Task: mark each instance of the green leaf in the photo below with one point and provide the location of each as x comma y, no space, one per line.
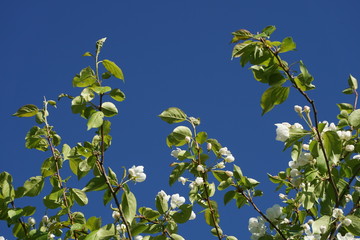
201,137
231,238
241,34
128,205
354,227
80,196
113,69
352,82
287,45
181,132
161,204
138,228
269,30
184,215
101,90
28,110
95,184
87,94
54,199
78,104
273,96
229,196
209,219
85,78
304,79
33,186
107,232
323,221
332,144
237,172
149,213
109,109
117,95
96,120
176,237
173,115
93,223
354,118
87,54
177,172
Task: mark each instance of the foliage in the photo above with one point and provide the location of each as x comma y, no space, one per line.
321,187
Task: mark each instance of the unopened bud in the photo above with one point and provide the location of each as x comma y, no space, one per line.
229,173
306,109
209,146
187,139
200,168
45,219
349,148
31,221
298,109
115,215
347,222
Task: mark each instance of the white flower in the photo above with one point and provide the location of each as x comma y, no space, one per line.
229,173
256,227
121,228
175,153
115,215
45,219
356,157
310,222
176,200
274,213
2,238
347,221
349,148
192,185
221,165
347,236
137,173
200,168
182,180
282,196
305,147
138,237
293,164
337,212
294,173
192,216
187,139
282,131
31,221
224,151
230,158
163,195
199,181
344,135
297,125
306,109
348,198
208,146
51,236
304,159
298,109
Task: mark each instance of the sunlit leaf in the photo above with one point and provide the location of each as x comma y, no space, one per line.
26,111
113,69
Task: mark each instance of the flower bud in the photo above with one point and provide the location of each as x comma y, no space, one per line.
187,139
192,216
298,109
349,148
348,198
182,180
115,215
220,165
347,222
305,147
31,221
200,168
199,181
229,159
229,173
282,196
209,146
306,109
45,219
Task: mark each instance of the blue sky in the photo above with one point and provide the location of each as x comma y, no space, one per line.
173,53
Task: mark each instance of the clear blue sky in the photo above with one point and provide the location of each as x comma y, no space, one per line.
173,53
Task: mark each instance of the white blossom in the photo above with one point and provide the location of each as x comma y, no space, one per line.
356,157
304,159
200,168
306,109
51,236
274,213
294,173
256,227
178,151
192,216
163,195
229,173
2,238
45,219
297,126
115,215
347,221
208,146
138,237
349,148
199,181
298,109
187,139
344,135
221,165
347,236
282,131
182,180
224,151
337,212
282,196
230,158
176,200
31,221
137,173
305,147
192,185
348,198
